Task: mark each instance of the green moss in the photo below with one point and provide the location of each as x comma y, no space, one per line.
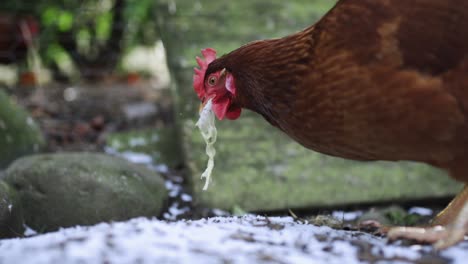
11,217
19,135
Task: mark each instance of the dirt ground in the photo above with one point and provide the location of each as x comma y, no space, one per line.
78,117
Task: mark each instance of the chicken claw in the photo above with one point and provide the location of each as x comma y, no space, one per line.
434,235
441,236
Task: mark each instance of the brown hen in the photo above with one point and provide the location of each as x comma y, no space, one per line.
372,80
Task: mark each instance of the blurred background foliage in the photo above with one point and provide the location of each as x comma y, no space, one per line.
89,35
224,21
88,38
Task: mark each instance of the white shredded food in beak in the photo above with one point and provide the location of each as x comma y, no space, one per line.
206,124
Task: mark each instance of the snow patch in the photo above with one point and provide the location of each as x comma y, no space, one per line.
421,211
247,239
137,157
347,216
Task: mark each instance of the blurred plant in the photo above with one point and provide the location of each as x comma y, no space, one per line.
87,38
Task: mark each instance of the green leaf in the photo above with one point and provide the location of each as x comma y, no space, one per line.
65,21
49,16
103,25
84,39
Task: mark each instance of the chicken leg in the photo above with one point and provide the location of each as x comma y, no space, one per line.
448,228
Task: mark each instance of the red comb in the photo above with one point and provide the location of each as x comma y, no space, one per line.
210,55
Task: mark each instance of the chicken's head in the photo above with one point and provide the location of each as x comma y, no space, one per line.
218,86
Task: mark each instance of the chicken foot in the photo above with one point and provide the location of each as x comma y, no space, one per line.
447,229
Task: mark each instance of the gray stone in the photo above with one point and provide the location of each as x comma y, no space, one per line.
19,135
11,218
68,189
257,167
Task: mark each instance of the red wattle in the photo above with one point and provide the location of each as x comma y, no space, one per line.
234,113
220,107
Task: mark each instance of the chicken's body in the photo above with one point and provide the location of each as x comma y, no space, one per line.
372,80
348,87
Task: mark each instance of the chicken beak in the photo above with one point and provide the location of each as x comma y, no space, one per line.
202,105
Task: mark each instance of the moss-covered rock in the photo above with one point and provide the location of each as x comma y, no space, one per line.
19,135
256,166
67,189
11,218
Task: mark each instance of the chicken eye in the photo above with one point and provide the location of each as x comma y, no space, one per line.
212,80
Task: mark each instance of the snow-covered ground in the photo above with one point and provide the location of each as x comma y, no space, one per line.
248,239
